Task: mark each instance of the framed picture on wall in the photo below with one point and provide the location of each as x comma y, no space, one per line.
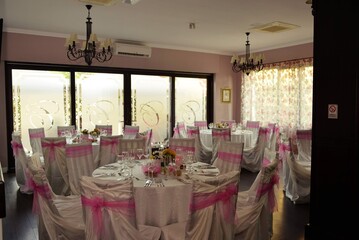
226,95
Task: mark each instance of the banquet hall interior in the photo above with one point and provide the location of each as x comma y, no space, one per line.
304,84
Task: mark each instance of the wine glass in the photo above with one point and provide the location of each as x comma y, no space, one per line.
139,153
131,163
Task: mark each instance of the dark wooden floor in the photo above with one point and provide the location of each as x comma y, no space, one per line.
21,224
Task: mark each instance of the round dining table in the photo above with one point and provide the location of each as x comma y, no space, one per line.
239,135
166,201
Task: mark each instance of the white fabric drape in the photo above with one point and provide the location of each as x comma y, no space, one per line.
281,93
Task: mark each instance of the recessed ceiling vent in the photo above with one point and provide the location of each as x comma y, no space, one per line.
274,27
101,2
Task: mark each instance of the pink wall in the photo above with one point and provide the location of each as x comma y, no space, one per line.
42,49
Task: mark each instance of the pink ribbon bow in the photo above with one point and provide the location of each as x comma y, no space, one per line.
52,146
110,142
268,188
203,200
97,203
16,147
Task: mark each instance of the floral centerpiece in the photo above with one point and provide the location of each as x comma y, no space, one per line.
94,134
222,125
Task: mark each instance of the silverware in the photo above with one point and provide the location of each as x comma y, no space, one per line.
148,183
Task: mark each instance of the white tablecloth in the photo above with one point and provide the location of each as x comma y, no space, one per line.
244,136
155,206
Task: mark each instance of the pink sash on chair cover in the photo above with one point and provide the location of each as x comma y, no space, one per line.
220,134
229,157
192,132
78,151
176,132
126,207
42,190
37,135
268,188
16,147
203,200
51,146
110,142
304,135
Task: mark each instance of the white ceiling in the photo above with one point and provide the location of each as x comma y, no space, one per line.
220,24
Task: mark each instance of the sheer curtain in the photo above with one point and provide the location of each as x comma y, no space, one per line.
281,93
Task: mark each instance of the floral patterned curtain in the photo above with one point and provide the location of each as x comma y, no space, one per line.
281,93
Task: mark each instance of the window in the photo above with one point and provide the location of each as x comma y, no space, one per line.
281,93
52,95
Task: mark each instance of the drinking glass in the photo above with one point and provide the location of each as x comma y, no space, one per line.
139,153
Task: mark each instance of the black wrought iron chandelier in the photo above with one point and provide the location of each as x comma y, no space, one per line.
248,63
89,47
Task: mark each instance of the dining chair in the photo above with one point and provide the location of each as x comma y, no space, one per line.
59,217
254,127
148,136
21,162
298,185
131,144
55,164
109,211
182,129
274,140
229,156
192,131
61,130
104,128
130,132
255,207
202,153
35,135
182,144
219,134
109,149
304,143
253,157
79,162
213,207
201,124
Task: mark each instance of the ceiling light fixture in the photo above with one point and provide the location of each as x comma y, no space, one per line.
88,51
249,63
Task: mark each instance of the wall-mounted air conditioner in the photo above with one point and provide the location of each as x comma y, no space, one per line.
133,50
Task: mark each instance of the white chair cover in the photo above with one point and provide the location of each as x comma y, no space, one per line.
35,135
107,128
176,133
185,144
274,141
130,132
64,129
201,124
55,164
229,156
79,162
182,129
132,144
109,211
60,217
254,127
255,206
282,157
21,162
219,134
304,143
298,185
109,149
202,153
253,157
148,136
213,207
192,131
